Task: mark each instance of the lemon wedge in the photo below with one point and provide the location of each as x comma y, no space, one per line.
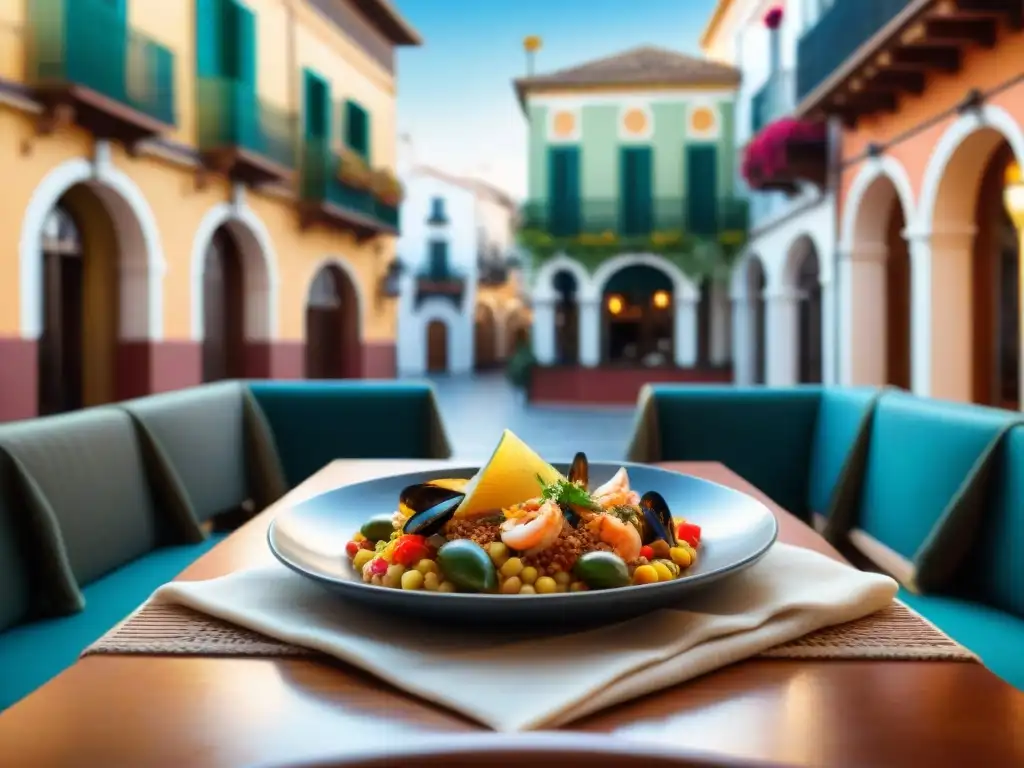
511,476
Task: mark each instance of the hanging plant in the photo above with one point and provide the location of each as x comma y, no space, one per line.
773,19
766,156
353,170
386,187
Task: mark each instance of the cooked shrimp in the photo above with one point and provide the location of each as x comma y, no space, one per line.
616,491
623,537
534,531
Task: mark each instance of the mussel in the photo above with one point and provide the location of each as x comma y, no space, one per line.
579,471
428,507
656,519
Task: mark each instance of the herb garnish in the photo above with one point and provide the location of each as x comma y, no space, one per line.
564,492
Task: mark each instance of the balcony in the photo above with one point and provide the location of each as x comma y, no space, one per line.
785,154
88,67
863,54
242,137
326,199
440,282
773,100
492,273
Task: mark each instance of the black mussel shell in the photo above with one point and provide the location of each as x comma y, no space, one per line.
657,519
424,496
579,470
432,520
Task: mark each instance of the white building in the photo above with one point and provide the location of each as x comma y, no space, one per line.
782,289
438,248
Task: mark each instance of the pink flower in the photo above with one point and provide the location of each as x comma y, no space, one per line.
766,156
773,18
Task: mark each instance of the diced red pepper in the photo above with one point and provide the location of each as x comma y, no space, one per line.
410,550
690,533
646,551
351,548
378,566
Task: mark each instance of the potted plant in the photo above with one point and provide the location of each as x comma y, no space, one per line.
386,188
353,170
519,367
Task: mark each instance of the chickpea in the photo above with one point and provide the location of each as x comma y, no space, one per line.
528,575
412,579
393,577
431,581
426,566
363,556
498,552
511,585
645,574
512,567
660,548
578,586
680,556
664,574
562,578
527,589
446,586
545,585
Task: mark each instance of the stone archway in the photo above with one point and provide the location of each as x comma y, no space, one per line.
90,289
567,318
333,347
637,323
558,280
802,281
968,310
878,304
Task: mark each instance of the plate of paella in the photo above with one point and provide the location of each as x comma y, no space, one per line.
521,539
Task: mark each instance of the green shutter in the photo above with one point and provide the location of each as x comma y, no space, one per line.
357,129
246,21
209,37
564,191
439,259
701,172
635,194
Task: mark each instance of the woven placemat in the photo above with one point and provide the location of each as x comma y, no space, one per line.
894,633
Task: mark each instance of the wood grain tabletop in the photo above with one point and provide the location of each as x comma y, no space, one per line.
204,712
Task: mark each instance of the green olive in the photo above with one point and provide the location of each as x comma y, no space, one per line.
467,565
378,528
602,570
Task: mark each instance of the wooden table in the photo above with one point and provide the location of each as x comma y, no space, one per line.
137,711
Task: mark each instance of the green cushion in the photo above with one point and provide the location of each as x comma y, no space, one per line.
764,435
995,636
843,416
314,423
33,653
920,454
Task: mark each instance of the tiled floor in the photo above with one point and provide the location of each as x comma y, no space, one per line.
476,409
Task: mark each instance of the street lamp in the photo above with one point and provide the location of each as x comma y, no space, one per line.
531,44
1013,199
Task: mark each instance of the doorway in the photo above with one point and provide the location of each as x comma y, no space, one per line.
332,326
485,338
808,286
758,322
223,309
638,318
437,347
60,343
566,319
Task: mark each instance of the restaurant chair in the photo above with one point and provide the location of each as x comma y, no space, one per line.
118,527
802,446
315,422
215,441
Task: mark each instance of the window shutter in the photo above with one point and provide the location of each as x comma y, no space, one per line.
564,191
635,193
209,37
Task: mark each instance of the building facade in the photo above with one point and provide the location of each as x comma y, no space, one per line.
930,103
782,289
194,190
632,218
438,250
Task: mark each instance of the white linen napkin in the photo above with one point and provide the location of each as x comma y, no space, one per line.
516,684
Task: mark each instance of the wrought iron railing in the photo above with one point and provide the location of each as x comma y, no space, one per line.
231,114
320,183
615,217
773,100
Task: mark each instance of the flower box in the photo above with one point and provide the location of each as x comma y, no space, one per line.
386,188
785,151
353,170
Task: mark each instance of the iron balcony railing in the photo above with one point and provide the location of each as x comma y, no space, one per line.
624,220
837,36
320,184
773,100
232,115
434,273
88,43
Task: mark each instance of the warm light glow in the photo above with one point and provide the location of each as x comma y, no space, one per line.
661,299
1013,175
1013,194
615,305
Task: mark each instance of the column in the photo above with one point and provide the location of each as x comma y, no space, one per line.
718,347
828,330
543,331
781,318
863,316
686,329
742,340
590,332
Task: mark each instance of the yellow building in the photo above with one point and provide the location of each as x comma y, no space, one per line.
193,190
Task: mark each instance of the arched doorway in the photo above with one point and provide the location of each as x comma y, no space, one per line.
224,337
638,317
517,332
437,347
566,318
804,275
332,326
756,281
485,338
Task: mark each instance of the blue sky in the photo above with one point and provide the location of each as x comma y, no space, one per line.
456,101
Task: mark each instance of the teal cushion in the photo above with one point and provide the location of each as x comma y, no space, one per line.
995,636
33,653
995,569
921,451
764,435
314,423
840,417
